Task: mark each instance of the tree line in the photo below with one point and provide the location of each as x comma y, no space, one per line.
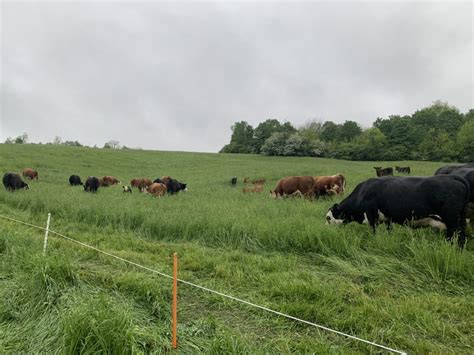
439,132
23,139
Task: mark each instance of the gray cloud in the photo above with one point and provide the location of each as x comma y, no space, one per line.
175,76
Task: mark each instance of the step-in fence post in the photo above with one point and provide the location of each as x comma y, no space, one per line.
174,341
46,234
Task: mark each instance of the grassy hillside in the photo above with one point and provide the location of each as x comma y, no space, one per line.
407,289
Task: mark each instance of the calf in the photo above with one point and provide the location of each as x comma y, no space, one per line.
256,188
383,172
405,169
127,188
13,182
259,181
437,201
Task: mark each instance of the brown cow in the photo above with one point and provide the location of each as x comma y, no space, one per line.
30,173
103,183
290,185
329,185
141,183
110,180
165,179
260,181
144,183
156,189
256,188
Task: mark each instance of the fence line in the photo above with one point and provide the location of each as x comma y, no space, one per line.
208,289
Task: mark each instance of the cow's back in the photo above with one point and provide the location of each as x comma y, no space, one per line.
404,198
468,175
289,185
449,169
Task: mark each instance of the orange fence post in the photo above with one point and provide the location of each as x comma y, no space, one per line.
174,341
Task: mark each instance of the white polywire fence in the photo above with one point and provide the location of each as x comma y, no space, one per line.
202,287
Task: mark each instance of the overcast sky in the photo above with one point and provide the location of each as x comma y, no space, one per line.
176,75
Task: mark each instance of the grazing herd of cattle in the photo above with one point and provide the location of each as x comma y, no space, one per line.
158,187
444,201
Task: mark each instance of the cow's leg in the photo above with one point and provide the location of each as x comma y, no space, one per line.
462,232
462,238
449,233
388,223
372,217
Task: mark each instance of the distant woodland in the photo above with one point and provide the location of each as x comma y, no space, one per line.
439,132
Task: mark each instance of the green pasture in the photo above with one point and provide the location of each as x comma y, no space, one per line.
407,289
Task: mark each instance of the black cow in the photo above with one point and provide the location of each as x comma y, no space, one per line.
448,169
403,169
233,181
437,201
92,184
75,180
174,186
383,172
13,182
468,174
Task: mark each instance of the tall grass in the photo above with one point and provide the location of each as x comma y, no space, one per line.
406,288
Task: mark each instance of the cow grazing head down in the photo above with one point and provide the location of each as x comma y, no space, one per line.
173,185
75,180
410,201
335,215
338,215
13,182
92,184
30,173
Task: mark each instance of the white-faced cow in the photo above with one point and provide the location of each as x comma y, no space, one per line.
436,201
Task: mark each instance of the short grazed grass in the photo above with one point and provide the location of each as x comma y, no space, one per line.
406,289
